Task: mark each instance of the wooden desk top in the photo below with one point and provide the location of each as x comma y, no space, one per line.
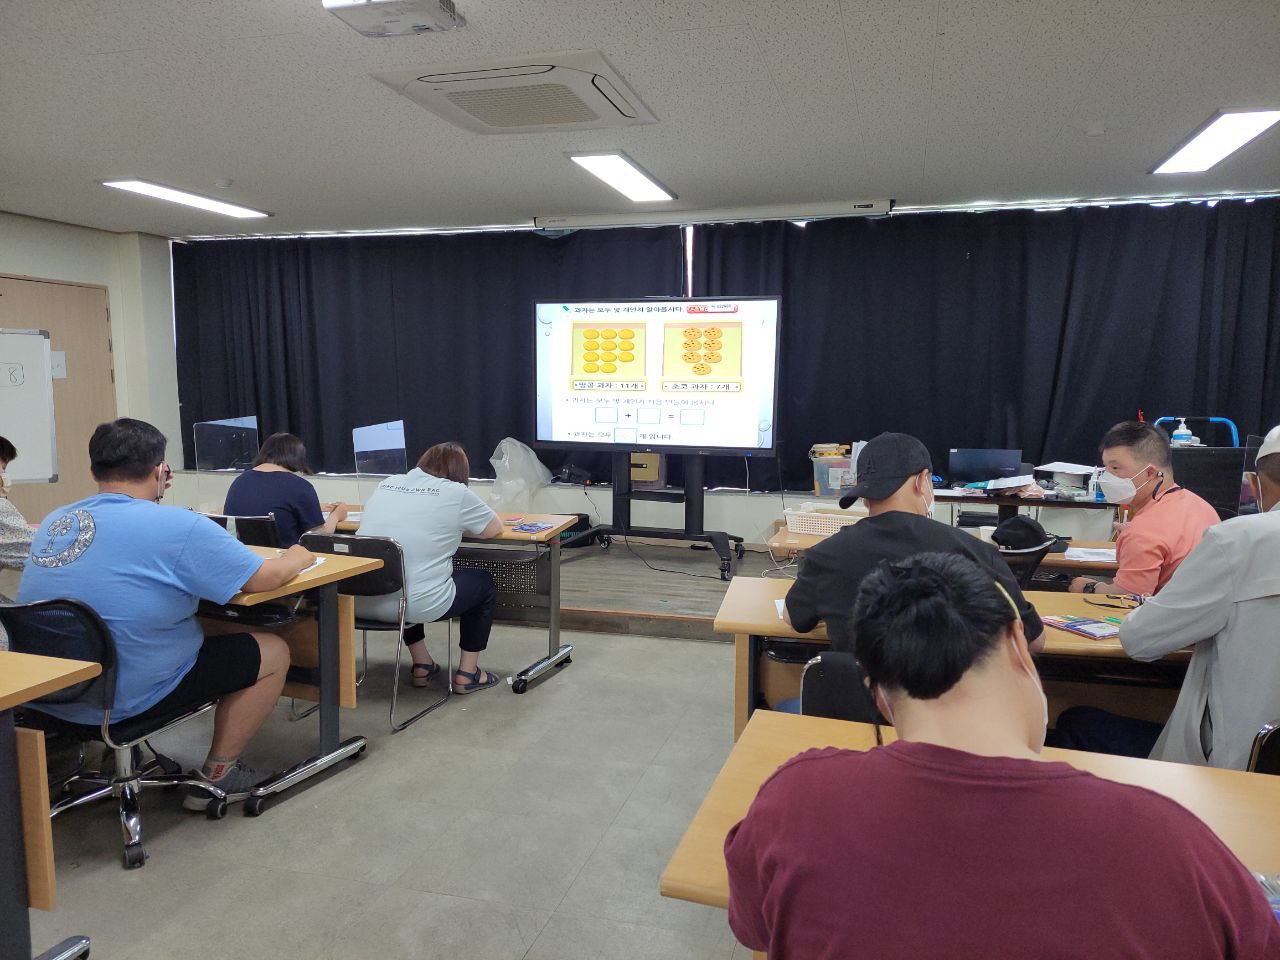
1058,561
26,676
785,542
949,495
1237,806
333,569
748,607
559,523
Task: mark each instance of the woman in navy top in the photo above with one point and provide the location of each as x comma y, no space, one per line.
274,486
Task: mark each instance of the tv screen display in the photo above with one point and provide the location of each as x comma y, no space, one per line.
679,375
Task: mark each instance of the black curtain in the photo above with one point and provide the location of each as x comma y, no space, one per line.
1028,329
319,336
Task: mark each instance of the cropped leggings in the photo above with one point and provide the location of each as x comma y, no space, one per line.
473,606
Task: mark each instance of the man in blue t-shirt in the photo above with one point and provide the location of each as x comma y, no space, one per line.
144,568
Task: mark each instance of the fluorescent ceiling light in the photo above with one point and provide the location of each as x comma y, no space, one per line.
1226,134
159,192
621,173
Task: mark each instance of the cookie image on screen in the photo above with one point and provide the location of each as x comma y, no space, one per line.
707,351
608,351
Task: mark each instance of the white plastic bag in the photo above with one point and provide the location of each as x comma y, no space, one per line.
519,473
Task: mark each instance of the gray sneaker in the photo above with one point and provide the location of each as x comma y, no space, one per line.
236,783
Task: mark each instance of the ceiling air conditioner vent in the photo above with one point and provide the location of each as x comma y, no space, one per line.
559,91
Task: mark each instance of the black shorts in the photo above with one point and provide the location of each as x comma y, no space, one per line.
226,663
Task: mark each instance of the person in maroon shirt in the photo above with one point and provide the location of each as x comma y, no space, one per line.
958,841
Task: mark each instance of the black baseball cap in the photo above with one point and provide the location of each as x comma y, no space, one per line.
884,463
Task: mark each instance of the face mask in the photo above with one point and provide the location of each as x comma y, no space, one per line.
929,505
1119,489
4,485
884,706
162,481
1013,642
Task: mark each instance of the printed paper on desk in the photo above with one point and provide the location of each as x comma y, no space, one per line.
1060,467
1092,554
1011,483
312,565
782,609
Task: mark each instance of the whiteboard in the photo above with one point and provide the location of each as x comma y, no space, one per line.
26,405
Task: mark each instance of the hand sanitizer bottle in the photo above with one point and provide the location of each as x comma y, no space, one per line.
1182,436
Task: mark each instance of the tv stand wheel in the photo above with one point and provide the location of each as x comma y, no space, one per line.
605,541
740,550
725,567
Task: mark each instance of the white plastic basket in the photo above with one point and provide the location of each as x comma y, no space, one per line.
819,522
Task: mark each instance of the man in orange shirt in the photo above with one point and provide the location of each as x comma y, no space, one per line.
1168,520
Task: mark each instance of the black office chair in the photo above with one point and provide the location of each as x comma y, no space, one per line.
257,531
376,583
831,685
1025,562
67,628
1265,755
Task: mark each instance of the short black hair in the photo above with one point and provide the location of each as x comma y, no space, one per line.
1268,466
8,452
284,450
1148,442
125,449
921,623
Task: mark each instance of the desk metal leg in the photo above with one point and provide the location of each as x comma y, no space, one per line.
15,924
558,655
331,749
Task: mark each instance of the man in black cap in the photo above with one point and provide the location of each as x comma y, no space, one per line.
895,477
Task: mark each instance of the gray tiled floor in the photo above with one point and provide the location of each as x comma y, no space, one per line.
498,827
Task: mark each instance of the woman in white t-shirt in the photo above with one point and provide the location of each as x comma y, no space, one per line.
428,510
15,535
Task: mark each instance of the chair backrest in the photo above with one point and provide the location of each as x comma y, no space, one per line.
68,629
831,685
1025,562
375,583
1265,755
219,518
257,531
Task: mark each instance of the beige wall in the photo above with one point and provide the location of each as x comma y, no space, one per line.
134,267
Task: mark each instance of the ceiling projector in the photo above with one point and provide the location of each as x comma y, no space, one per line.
396,18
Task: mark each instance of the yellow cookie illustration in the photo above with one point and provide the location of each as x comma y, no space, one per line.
692,333
607,334
590,356
608,345
691,357
627,333
711,356
590,333
590,344
711,345
590,367
608,356
702,369
713,333
626,357
608,368
626,344
692,345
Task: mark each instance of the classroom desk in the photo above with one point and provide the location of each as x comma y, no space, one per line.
1008,506
24,677
1239,807
558,654
784,543
322,584
749,612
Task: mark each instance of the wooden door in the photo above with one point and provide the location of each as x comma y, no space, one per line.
78,319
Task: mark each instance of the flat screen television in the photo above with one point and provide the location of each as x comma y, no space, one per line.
666,376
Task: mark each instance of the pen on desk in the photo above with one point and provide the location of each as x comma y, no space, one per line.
1115,620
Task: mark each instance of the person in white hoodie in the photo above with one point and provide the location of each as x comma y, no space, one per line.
1224,601
15,535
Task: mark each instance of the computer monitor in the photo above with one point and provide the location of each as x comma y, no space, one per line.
1212,472
974,465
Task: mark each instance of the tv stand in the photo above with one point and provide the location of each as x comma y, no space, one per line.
726,545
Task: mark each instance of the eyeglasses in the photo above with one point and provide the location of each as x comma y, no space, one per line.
1123,601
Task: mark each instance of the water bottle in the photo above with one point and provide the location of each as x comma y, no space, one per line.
1182,436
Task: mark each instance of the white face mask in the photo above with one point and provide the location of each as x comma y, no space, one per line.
1119,489
930,504
4,485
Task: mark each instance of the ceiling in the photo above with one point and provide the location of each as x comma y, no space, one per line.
759,102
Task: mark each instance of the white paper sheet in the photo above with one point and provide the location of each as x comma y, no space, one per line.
1059,467
1011,483
1091,553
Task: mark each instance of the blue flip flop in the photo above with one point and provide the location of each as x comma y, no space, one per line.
474,683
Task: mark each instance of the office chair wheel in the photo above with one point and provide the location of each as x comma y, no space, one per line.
565,662
134,856
519,686
216,810
253,806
